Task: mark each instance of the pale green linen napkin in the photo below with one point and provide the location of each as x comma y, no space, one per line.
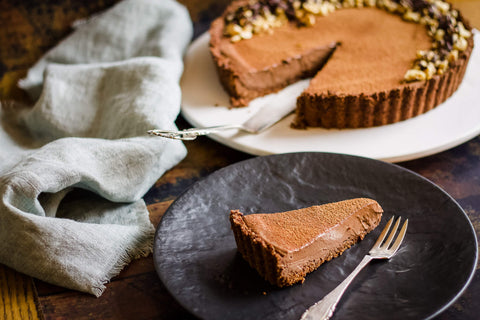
74,168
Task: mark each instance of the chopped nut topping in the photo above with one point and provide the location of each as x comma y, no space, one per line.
311,7
461,44
441,66
390,5
462,32
442,6
430,71
415,75
409,15
449,35
439,34
452,56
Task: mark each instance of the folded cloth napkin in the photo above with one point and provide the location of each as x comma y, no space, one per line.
75,166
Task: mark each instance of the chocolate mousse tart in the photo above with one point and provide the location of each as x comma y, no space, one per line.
372,62
285,246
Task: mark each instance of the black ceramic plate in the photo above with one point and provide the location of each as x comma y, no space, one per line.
195,253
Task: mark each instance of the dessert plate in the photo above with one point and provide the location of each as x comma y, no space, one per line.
196,256
205,104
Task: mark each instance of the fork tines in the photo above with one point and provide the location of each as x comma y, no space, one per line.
380,245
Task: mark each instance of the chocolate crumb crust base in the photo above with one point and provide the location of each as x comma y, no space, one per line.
360,111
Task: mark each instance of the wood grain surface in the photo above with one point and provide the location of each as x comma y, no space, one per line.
28,29
17,296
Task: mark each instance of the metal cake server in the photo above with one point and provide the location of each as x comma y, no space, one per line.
278,108
263,119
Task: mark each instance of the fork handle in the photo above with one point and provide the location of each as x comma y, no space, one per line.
191,134
323,309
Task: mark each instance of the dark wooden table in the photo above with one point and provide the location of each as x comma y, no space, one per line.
28,29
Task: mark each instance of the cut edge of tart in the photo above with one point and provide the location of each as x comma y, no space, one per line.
285,246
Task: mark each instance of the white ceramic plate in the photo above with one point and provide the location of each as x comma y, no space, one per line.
205,103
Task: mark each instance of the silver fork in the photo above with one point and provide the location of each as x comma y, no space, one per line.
323,309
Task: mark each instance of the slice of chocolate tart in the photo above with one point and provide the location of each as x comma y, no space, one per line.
285,246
